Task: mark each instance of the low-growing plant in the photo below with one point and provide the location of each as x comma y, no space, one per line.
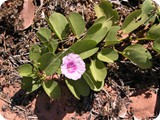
78,57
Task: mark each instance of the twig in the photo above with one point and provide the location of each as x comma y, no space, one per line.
106,92
32,117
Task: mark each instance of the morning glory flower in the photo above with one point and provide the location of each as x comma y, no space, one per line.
73,66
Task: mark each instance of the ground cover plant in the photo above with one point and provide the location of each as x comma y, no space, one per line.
71,53
126,84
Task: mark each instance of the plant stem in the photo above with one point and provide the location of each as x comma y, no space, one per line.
117,50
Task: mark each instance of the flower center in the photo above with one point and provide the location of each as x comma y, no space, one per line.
71,67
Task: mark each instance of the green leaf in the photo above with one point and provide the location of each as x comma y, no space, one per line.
133,21
107,55
60,55
99,11
147,7
94,85
130,19
59,24
52,45
154,32
79,47
77,23
44,34
138,55
111,38
44,49
25,70
156,45
34,53
151,20
139,17
108,24
105,9
82,46
88,53
80,87
30,85
105,22
98,70
52,89
72,89
96,33
49,63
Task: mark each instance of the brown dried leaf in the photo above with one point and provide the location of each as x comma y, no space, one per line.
27,14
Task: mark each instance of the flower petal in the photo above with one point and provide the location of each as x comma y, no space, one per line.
73,66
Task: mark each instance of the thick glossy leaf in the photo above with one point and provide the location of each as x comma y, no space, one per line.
77,23
44,49
29,84
88,53
111,36
94,85
59,25
133,21
52,89
156,45
154,32
130,18
108,24
107,55
89,79
34,53
79,47
25,70
99,11
60,55
96,33
49,63
151,20
80,86
139,17
138,55
72,89
105,22
44,34
105,9
147,7
98,70
82,46
53,61
52,45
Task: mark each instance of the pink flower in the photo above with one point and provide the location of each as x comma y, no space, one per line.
73,66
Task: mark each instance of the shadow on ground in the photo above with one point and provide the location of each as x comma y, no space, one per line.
44,108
